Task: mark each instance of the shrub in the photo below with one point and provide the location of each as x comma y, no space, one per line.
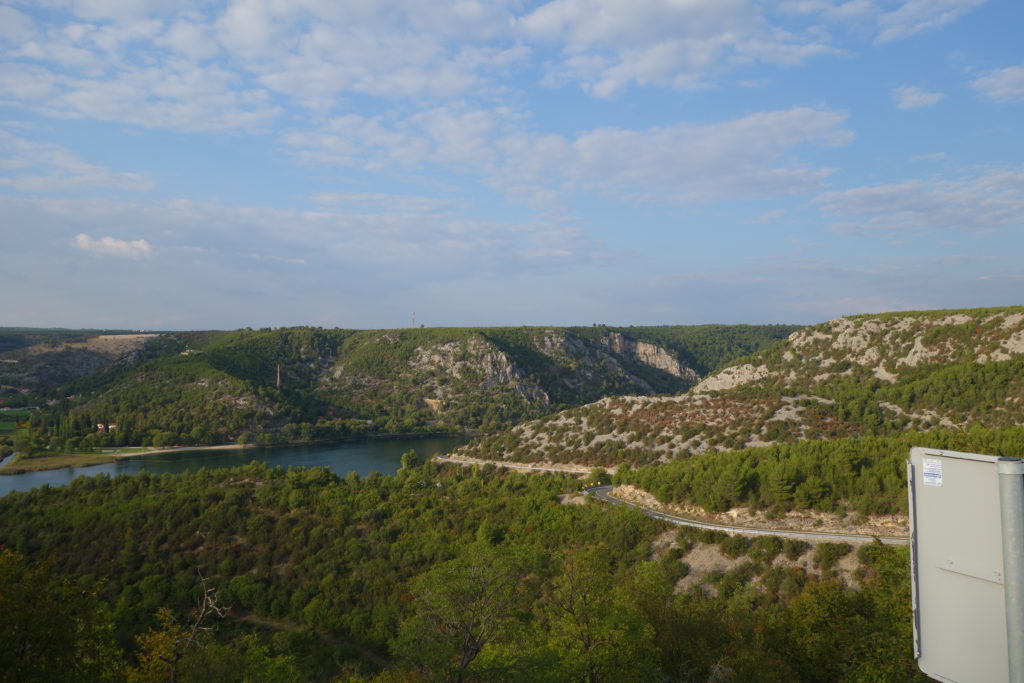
827,554
735,545
794,548
765,548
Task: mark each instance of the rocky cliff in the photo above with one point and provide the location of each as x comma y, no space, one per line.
649,354
861,375
493,372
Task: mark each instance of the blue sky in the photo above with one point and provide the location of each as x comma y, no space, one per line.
187,165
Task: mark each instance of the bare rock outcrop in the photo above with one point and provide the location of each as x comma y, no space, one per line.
649,354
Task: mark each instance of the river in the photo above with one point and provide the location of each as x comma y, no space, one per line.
364,457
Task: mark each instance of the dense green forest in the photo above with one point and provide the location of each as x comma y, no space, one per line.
308,384
432,574
863,474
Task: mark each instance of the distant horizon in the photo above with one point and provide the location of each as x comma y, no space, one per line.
200,165
255,328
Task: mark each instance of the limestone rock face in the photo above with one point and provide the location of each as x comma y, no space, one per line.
522,371
732,377
884,374
479,362
649,354
888,346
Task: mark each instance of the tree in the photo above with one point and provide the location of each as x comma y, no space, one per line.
52,629
411,459
161,650
596,637
459,608
29,443
827,623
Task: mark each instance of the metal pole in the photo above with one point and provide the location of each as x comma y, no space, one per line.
1011,506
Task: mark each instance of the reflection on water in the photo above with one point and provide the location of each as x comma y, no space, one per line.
364,457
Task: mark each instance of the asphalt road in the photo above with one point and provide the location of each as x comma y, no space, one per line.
605,493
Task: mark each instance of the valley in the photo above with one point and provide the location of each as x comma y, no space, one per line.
304,385
777,429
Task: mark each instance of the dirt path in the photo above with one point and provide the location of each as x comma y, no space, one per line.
175,449
534,467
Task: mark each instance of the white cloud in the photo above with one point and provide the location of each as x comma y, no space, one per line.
15,27
914,97
682,163
316,52
60,53
121,11
174,95
425,238
773,216
889,23
111,246
609,45
991,200
687,163
1002,85
31,166
132,66
255,29
190,36
382,201
915,16
238,65
25,84
833,10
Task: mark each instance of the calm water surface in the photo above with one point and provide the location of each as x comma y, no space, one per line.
364,457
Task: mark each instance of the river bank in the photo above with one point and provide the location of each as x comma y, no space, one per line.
362,457
56,461
543,466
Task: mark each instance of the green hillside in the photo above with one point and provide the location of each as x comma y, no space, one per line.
303,384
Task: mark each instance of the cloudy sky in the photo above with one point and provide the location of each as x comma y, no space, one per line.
184,165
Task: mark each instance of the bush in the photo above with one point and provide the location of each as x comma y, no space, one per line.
711,536
735,545
827,554
765,548
794,548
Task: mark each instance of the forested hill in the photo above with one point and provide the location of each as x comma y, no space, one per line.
35,362
211,387
868,375
436,573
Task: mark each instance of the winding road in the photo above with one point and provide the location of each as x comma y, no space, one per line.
605,493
